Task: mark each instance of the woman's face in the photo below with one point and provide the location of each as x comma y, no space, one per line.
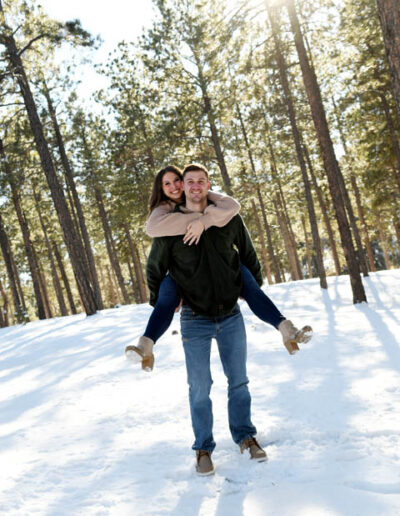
172,186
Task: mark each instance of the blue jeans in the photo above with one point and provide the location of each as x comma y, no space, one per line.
229,332
164,309
259,303
168,299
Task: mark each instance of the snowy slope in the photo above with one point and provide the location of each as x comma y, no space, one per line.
83,432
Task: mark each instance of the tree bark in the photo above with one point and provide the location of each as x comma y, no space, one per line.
364,226
308,249
389,17
111,286
267,270
346,197
64,278
328,154
25,234
110,244
43,287
72,240
287,241
393,138
396,224
208,110
289,231
4,320
5,246
135,288
56,282
299,151
324,211
140,281
76,201
271,252
383,243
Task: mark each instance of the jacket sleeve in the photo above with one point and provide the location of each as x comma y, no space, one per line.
157,267
221,212
163,221
247,253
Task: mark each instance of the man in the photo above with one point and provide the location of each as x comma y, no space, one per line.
209,280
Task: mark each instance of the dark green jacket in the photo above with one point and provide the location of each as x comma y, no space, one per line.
208,274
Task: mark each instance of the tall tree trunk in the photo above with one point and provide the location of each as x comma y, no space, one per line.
393,137
111,286
64,278
389,17
271,252
6,252
328,155
19,286
281,200
353,224
141,283
76,201
54,275
208,110
364,226
72,240
382,238
135,288
287,241
25,233
346,197
290,234
324,211
110,244
299,151
43,286
396,224
267,270
308,249
4,321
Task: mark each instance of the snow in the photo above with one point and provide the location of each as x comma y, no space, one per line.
84,432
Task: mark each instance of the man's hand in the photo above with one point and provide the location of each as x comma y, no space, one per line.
193,232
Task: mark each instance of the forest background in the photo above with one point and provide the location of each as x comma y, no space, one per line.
294,106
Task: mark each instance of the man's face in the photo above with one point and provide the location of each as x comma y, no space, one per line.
196,186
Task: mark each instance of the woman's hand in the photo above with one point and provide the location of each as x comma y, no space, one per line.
193,232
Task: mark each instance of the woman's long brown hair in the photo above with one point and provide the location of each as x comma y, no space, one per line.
157,195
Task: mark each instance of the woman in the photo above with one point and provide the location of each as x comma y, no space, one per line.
167,192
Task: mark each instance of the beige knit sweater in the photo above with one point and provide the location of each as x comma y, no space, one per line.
163,222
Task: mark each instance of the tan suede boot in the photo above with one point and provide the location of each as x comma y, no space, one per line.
204,464
292,336
143,353
255,450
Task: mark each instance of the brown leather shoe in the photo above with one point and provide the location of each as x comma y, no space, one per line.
256,452
204,464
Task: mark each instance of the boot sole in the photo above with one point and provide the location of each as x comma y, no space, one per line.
260,459
135,355
303,336
206,474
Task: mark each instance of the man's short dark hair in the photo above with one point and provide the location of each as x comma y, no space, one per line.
193,167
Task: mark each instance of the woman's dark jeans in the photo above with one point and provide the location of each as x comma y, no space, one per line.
168,299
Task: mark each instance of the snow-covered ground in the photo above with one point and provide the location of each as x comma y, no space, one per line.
83,432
